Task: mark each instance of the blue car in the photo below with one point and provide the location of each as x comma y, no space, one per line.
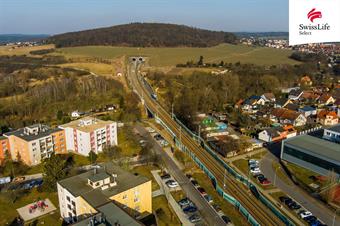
190,209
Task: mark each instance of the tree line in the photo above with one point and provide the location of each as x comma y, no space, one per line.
144,35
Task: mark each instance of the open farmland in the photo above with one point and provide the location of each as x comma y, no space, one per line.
172,56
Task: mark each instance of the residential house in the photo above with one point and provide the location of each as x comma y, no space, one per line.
273,134
251,104
84,195
282,102
309,97
286,116
327,118
295,94
292,106
90,134
77,114
326,99
35,143
306,80
288,90
307,111
268,97
4,148
332,133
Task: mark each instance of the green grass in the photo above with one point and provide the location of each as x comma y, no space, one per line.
280,173
227,208
178,195
166,216
301,174
8,208
172,56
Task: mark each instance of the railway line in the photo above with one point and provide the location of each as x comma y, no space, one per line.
239,191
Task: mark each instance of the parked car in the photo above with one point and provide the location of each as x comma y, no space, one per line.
310,219
303,214
194,218
165,176
284,198
184,202
164,143
150,130
171,183
253,161
158,137
189,176
255,171
294,206
195,183
208,198
201,190
18,179
216,207
226,219
190,209
317,223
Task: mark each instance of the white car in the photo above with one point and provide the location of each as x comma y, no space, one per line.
255,171
150,130
253,162
164,143
171,183
304,214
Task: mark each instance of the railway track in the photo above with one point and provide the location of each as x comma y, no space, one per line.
257,209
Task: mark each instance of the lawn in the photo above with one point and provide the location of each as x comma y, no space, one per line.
165,215
8,208
127,140
172,56
98,68
226,207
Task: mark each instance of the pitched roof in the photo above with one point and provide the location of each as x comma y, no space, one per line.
284,113
324,113
307,108
282,101
324,97
293,107
269,96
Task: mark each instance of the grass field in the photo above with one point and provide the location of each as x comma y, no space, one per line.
173,56
9,50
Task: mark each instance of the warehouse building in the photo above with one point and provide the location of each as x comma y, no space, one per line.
313,153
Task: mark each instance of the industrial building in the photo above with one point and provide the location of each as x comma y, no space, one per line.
316,154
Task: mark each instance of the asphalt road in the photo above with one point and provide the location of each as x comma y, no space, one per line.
208,213
297,193
255,207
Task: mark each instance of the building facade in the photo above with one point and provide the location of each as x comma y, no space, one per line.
34,143
313,153
4,148
332,134
89,134
81,196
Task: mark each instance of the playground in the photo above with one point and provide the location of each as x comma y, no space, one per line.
36,209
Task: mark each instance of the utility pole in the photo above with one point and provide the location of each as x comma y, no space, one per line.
172,110
334,217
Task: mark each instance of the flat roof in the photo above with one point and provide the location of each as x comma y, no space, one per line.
316,145
78,185
95,124
30,137
335,128
109,214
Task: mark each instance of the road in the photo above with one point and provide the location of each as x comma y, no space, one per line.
297,193
257,209
207,212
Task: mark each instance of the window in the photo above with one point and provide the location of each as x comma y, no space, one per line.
136,199
312,159
68,198
69,206
125,196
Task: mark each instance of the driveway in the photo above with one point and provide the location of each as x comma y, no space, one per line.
295,192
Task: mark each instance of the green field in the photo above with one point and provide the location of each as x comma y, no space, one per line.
173,56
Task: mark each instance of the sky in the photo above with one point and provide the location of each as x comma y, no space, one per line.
60,16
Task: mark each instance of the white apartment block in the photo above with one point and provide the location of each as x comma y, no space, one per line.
89,134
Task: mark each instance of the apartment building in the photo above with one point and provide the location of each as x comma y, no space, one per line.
4,148
82,196
89,134
35,143
332,133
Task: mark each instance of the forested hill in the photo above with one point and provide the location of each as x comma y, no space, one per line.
144,35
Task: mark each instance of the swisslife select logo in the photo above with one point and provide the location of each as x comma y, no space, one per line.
314,21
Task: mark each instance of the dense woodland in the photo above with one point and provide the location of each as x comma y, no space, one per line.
38,90
144,35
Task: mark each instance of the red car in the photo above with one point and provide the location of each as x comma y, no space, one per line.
201,190
265,182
